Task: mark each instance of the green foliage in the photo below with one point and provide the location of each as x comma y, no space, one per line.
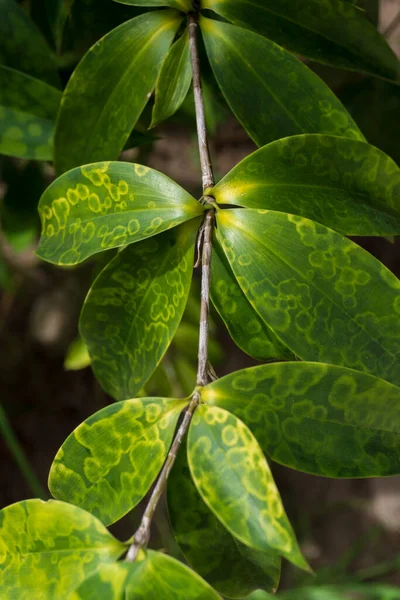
107,205
110,87
174,81
232,568
134,308
229,470
347,185
58,12
28,110
22,46
48,548
331,32
286,282
343,592
246,327
325,297
316,418
77,356
153,575
184,5
109,462
286,97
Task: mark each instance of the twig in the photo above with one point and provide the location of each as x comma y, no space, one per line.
142,535
205,159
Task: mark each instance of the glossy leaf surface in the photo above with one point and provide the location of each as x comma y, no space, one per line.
134,308
152,575
244,324
106,205
28,110
325,297
48,548
184,5
109,462
235,481
22,46
174,80
332,32
277,96
232,568
318,418
347,185
110,88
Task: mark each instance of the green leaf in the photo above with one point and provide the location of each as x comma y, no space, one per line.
245,326
109,462
274,97
134,308
48,548
152,575
58,12
325,297
345,184
229,566
235,481
28,110
22,46
174,81
184,5
77,356
332,32
318,418
110,88
107,205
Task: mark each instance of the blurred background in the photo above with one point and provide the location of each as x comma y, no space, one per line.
348,529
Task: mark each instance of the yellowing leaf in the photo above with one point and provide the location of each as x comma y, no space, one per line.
325,297
152,575
345,184
134,307
318,418
233,569
109,462
234,480
106,205
48,548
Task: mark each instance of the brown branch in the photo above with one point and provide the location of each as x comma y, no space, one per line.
142,535
205,159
